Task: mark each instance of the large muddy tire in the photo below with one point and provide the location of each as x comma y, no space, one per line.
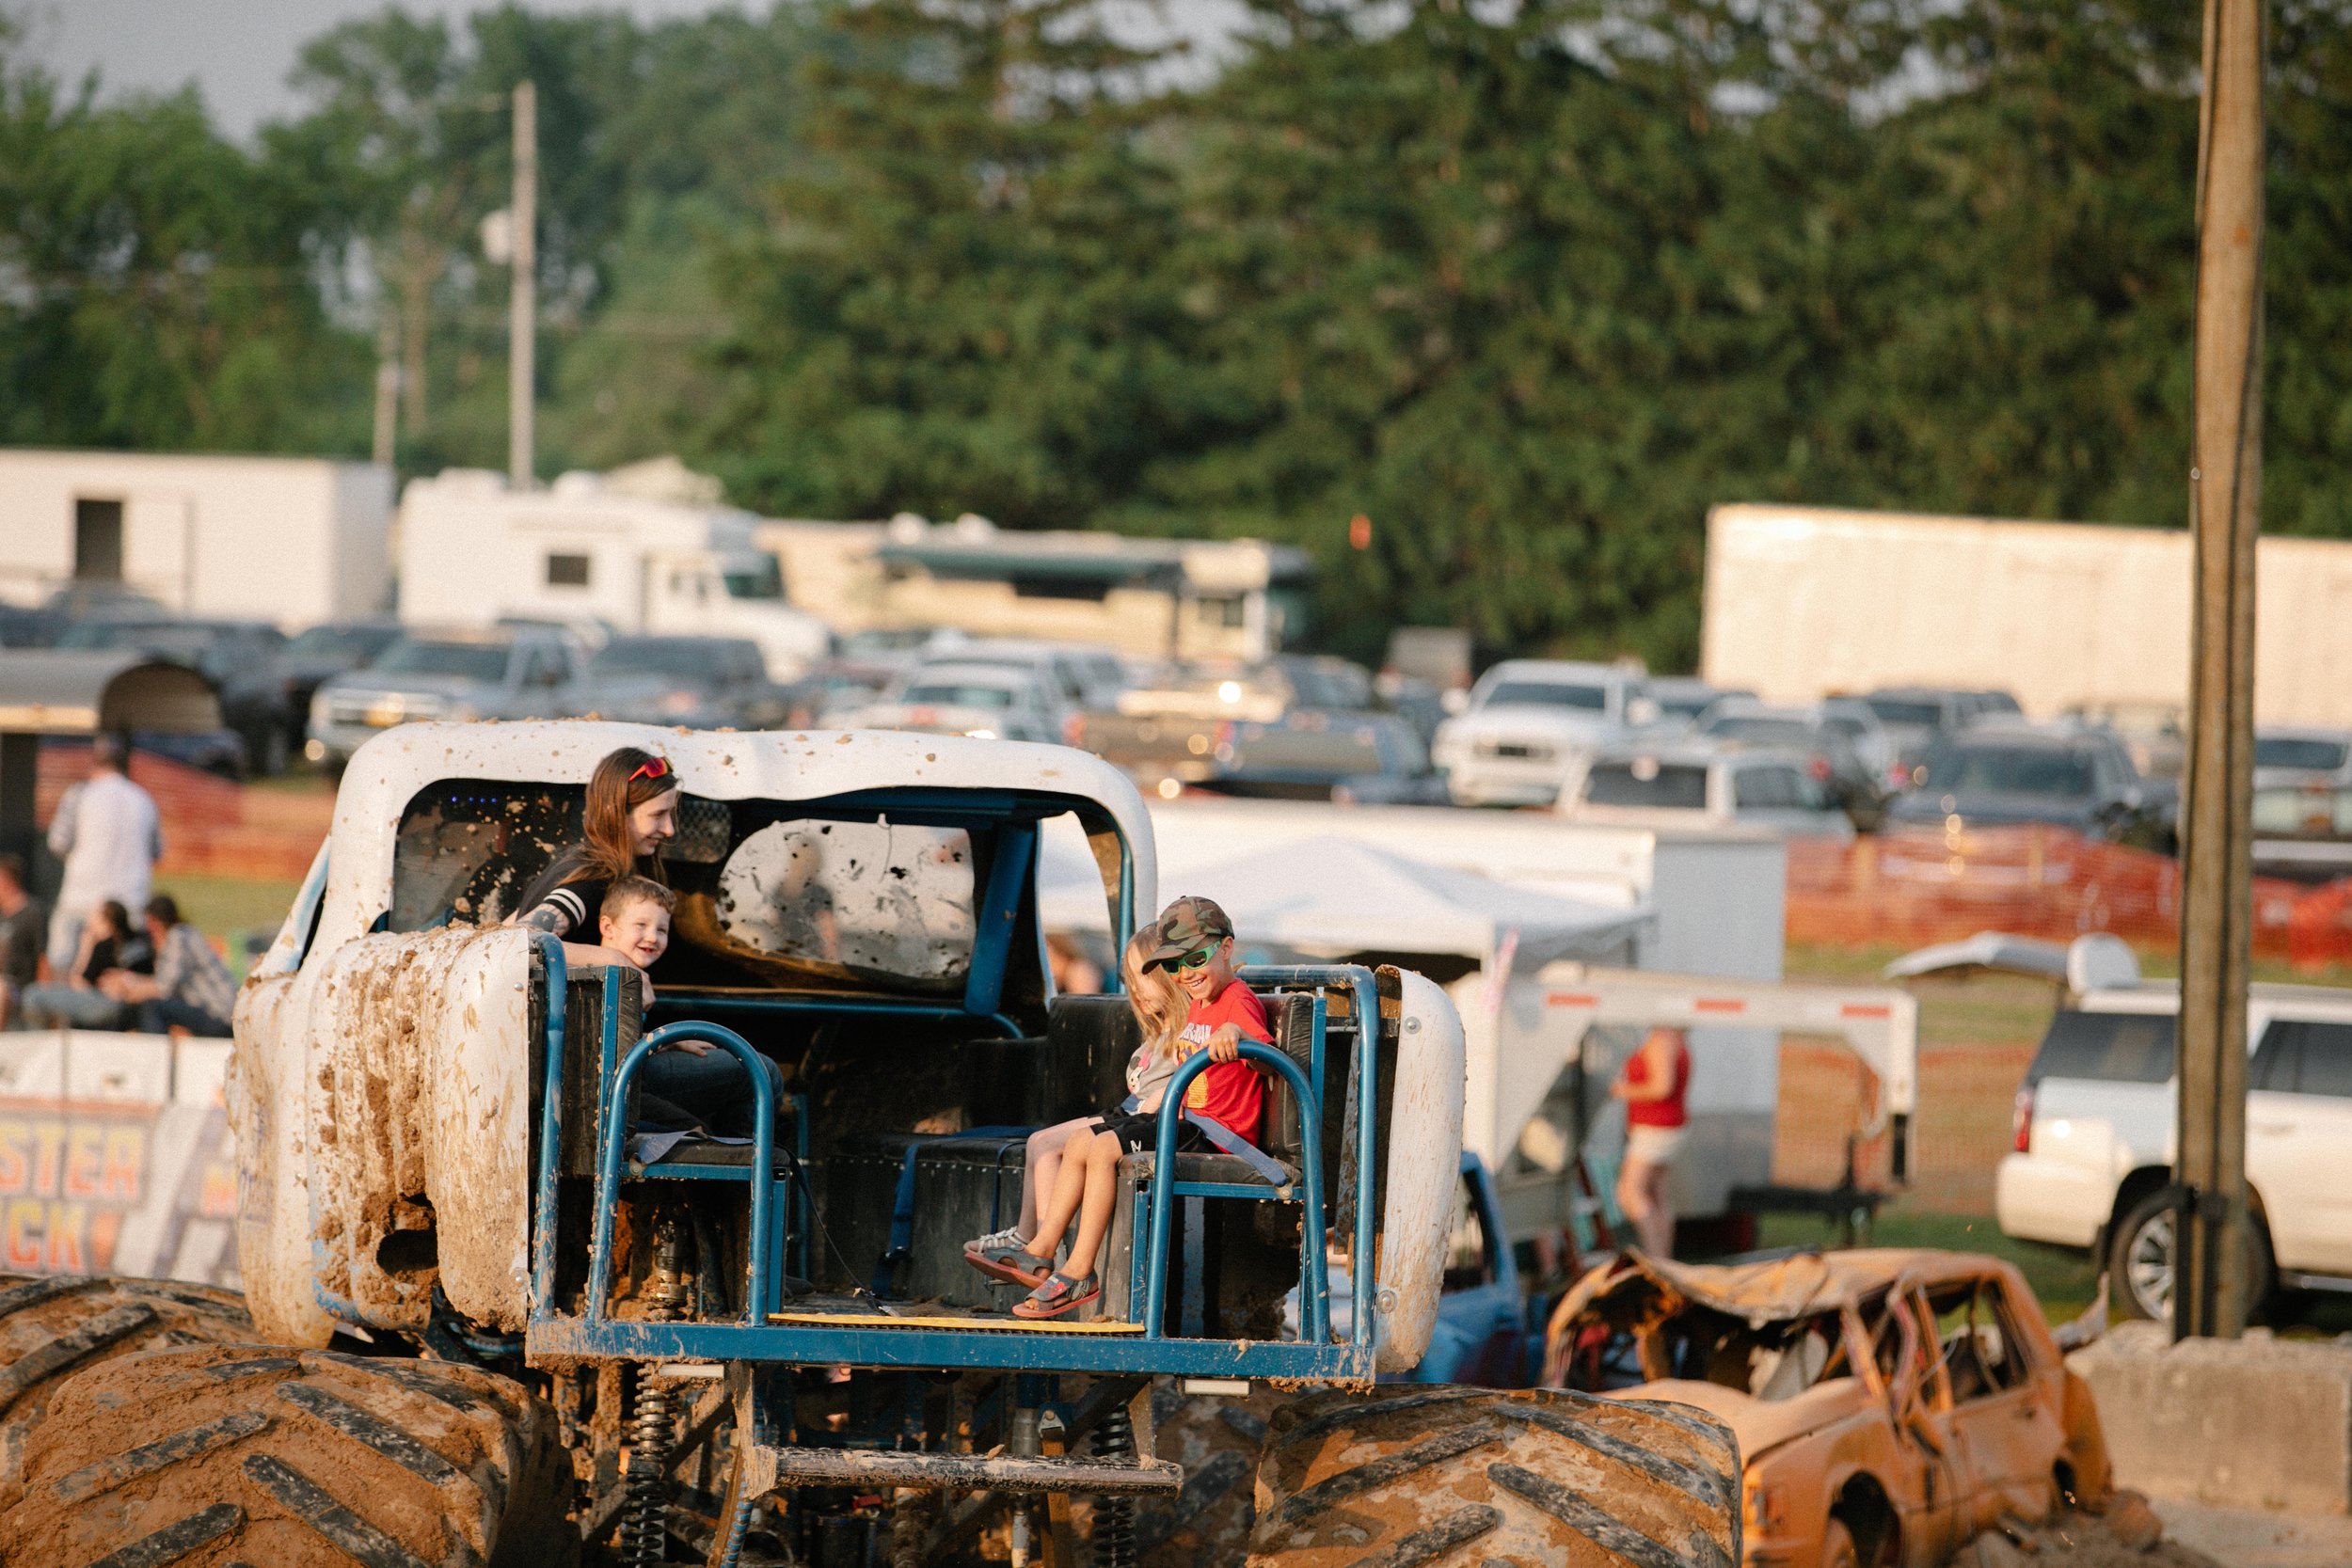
1217,1441
52,1328
1540,1477
205,1456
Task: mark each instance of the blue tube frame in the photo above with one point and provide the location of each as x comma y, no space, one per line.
1314,1296
608,1189
1367,988
596,1335
550,1126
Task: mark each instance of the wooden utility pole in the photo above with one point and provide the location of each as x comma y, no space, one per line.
2225,509
523,303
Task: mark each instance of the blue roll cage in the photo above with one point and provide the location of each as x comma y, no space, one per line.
593,1333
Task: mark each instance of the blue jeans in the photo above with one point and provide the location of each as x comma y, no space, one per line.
61,1007
680,1090
164,1014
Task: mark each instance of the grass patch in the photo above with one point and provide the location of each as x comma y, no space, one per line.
2065,1282
228,907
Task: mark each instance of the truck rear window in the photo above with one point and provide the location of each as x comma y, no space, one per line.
1634,784
2115,1048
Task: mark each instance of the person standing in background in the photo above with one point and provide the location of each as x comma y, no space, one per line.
21,924
110,836
1655,1087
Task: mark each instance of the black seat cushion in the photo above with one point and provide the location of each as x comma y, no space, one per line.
702,1152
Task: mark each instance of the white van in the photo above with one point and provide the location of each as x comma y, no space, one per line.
2095,1124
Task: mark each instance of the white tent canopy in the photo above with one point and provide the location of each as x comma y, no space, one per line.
1328,895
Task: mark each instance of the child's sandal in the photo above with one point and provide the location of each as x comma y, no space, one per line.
1011,1264
1057,1295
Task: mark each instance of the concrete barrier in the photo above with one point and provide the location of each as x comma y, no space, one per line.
2256,1422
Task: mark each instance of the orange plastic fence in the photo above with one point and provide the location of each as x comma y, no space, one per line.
1911,888
212,826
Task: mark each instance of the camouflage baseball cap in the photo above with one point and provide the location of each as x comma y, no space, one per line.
1187,926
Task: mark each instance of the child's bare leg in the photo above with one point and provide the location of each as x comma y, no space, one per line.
1101,1186
1061,1204
1046,1145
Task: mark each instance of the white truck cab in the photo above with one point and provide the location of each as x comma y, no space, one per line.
1529,719
2095,1127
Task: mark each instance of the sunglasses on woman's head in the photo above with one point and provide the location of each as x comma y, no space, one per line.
656,767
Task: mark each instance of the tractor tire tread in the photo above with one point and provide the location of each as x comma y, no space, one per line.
300,1459
1446,1477
54,1326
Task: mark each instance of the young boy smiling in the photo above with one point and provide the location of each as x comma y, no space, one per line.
687,1084
1196,945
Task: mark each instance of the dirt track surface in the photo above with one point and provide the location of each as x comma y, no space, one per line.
2077,1540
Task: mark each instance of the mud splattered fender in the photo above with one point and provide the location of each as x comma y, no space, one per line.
1425,1168
388,1096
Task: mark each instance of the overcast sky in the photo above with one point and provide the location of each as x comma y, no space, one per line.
239,52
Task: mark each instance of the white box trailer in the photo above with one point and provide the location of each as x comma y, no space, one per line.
288,540
1801,601
1713,902
472,552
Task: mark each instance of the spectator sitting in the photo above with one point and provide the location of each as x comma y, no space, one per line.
73,1000
23,924
190,988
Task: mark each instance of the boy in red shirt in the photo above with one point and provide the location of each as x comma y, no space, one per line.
1196,945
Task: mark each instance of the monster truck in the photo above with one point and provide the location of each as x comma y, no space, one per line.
492,1319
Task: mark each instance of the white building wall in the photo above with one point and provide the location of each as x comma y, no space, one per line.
291,540
1801,601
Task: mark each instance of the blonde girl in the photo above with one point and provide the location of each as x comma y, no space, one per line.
1159,1009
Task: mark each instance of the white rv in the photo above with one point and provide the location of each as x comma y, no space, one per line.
583,551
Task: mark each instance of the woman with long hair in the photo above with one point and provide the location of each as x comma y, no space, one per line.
1159,1009
631,812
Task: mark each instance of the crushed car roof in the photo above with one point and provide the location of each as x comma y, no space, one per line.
1779,1288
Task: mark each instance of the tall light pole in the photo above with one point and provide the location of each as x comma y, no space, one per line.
523,302
2225,508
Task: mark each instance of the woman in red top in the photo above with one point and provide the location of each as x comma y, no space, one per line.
1655,1086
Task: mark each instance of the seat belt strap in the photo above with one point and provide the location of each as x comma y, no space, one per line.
1240,1148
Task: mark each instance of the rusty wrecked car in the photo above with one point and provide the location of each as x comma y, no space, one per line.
1889,1403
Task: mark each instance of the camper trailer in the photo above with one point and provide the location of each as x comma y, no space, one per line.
587,552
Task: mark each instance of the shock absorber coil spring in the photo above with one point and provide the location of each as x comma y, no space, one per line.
1115,1517
645,1513
653,1422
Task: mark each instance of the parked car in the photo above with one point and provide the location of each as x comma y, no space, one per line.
2303,803
1872,746
1848,781
1698,784
1372,759
1889,1404
703,683
992,701
240,657
2001,775
1681,699
2154,732
1079,675
1915,717
1171,722
462,674
318,654
1527,721
2096,1123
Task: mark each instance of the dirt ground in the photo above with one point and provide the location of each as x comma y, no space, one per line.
2077,1540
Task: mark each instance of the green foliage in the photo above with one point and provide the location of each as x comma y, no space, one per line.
157,286
1531,286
